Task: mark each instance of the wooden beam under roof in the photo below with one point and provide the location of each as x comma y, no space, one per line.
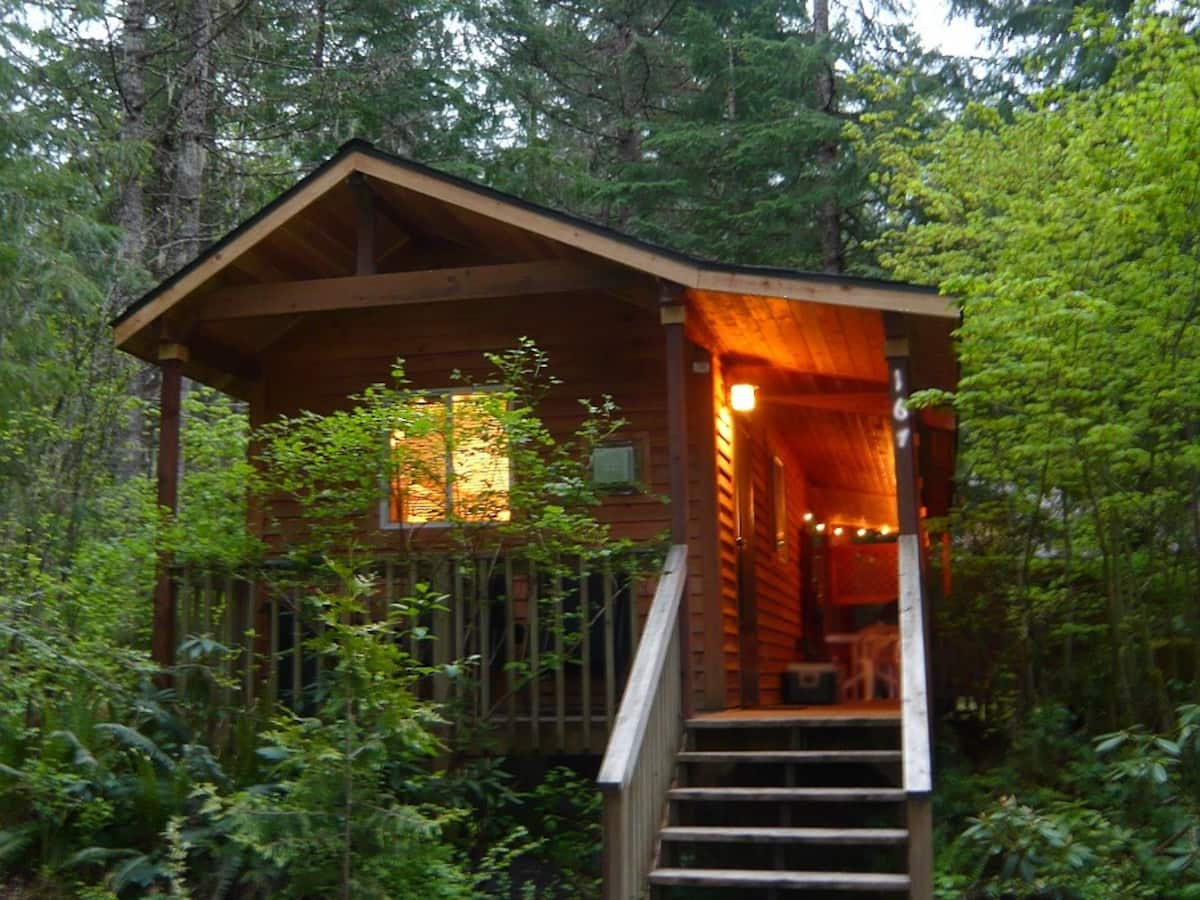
400,288
863,403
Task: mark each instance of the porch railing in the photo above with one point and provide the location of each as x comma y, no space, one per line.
640,761
548,674
915,718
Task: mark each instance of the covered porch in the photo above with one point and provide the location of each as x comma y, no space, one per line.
798,550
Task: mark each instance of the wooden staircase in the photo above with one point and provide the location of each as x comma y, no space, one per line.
771,804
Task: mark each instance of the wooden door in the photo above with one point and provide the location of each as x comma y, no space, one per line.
743,467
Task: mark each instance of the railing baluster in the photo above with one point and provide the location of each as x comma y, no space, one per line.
442,639
610,649
460,622
560,669
297,650
415,618
535,681
585,673
483,602
632,595
227,630
510,645
248,639
273,670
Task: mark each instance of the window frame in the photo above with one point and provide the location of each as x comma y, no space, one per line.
446,394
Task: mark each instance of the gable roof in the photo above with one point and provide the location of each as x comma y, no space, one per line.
605,243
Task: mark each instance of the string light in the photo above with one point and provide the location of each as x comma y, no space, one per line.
838,531
862,532
808,517
820,526
885,530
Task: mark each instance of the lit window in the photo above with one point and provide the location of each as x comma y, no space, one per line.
453,464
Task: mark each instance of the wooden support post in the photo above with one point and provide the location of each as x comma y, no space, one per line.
673,314
920,848
171,358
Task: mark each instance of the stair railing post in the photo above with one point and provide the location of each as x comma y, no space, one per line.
916,724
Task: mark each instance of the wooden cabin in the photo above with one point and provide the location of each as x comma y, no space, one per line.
766,404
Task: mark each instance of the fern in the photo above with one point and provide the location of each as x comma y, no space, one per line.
132,739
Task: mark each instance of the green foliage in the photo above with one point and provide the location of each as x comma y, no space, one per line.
210,530
1112,816
1067,233
334,817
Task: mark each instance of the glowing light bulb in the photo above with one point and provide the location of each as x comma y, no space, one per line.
862,532
839,530
808,517
885,530
741,397
820,526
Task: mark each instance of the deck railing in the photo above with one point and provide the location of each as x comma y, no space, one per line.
640,761
548,652
915,719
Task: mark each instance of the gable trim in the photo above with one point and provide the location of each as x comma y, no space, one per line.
603,242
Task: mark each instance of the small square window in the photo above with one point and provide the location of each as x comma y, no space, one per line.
615,465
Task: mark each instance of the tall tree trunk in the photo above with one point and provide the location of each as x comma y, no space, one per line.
188,181
830,214
131,80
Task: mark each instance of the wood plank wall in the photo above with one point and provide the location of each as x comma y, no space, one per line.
779,581
726,537
597,345
779,584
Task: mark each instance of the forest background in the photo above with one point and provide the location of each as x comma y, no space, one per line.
1052,185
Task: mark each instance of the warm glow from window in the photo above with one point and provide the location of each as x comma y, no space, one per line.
741,397
454,465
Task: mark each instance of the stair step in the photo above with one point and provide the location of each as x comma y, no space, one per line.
788,794
739,834
789,756
768,878
876,720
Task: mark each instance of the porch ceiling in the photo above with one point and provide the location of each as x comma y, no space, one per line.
822,385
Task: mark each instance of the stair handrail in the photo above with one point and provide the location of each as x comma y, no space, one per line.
639,761
914,718
914,691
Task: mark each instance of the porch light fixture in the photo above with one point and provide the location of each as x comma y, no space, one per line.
741,397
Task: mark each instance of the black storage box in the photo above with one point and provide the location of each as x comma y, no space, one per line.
810,683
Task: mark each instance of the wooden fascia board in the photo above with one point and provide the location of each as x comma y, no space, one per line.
798,288
244,242
657,264
398,288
